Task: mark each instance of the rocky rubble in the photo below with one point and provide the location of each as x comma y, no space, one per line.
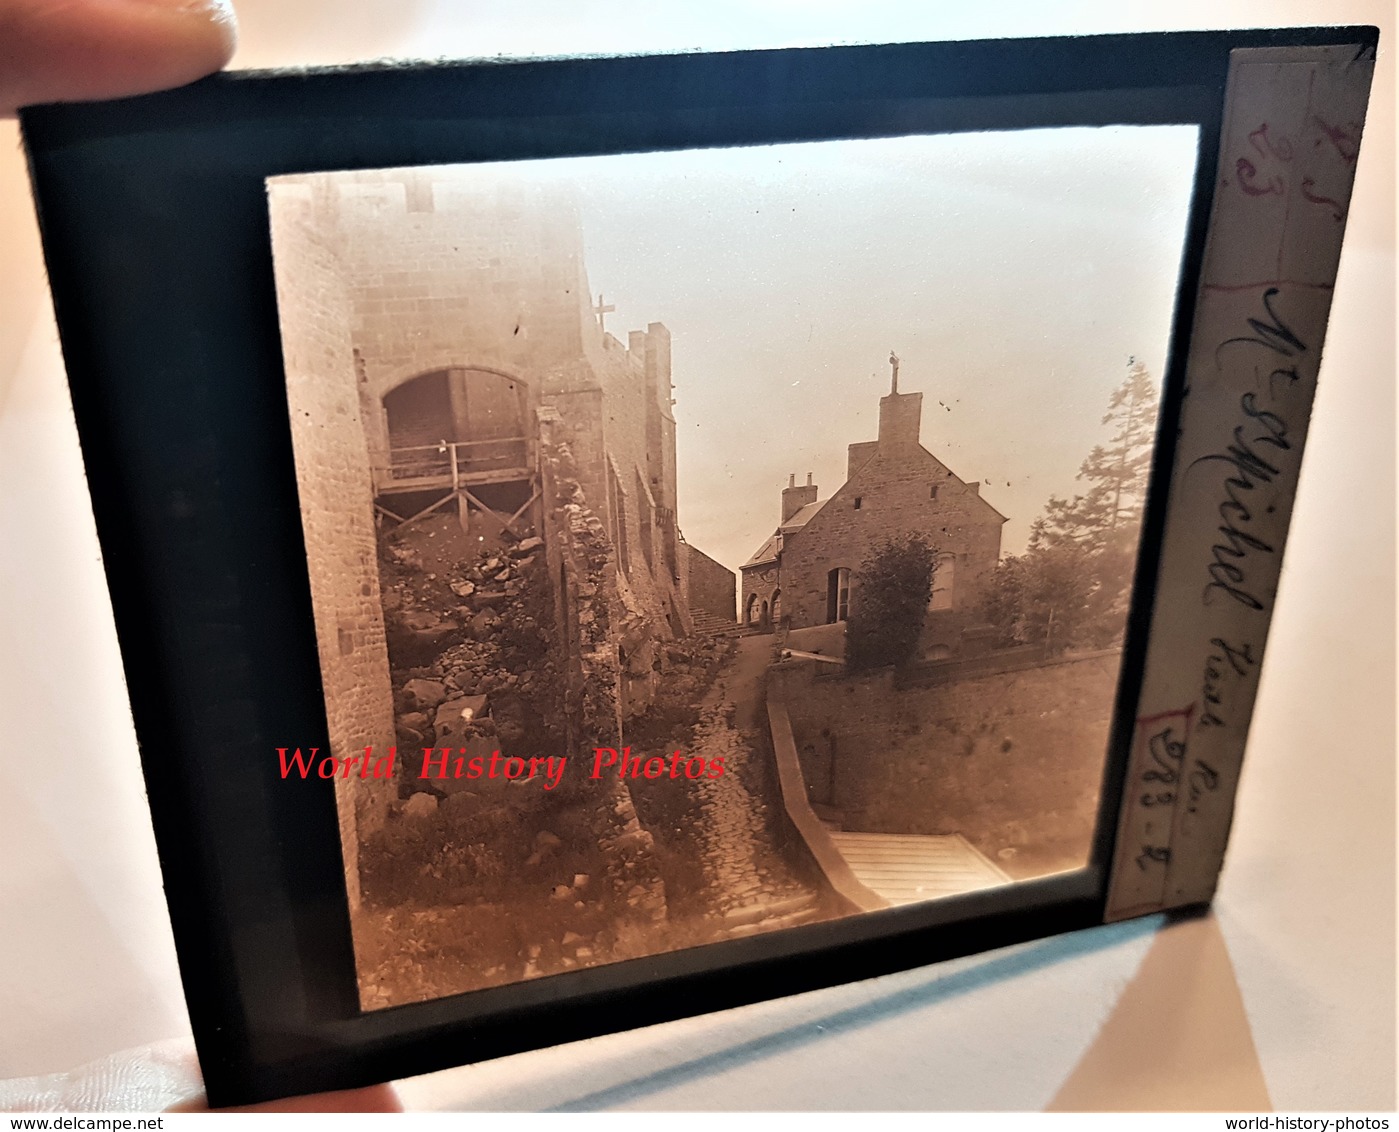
476,630
494,886
593,697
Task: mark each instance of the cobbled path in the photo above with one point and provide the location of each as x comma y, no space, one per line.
752,889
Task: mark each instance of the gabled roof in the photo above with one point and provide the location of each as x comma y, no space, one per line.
974,486
802,517
770,549
766,553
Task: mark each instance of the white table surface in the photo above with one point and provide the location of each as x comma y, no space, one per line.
1284,996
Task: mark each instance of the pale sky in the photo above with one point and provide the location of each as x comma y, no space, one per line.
1013,273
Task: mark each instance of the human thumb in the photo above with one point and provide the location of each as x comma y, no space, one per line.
73,50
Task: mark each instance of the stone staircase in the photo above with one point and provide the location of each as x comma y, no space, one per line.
769,913
905,868
708,625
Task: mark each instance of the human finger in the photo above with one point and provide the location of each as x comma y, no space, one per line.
74,50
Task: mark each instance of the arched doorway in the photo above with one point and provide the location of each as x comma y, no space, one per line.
776,606
750,610
459,437
419,412
463,420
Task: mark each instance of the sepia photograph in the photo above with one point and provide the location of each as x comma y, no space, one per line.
714,542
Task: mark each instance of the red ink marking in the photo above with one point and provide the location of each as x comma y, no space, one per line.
1154,788
1345,143
1151,793
1247,171
1186,713
1281,148
1316,198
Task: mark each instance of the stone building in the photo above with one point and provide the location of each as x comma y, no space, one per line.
806,573
441,344
713,587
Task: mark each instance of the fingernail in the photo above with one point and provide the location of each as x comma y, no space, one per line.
215,11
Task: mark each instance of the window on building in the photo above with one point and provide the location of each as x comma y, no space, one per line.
944,571
933,491
859,499
837,595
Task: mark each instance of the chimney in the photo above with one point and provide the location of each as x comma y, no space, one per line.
858,455
794,498
900,414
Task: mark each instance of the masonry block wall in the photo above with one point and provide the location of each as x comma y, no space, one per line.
1011,759
896,497
445,275
660,420
712,586
581,556
894,487
635,381
336,505
488,278
577,418
760,586
451,274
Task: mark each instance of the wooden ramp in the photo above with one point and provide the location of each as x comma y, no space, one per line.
905,868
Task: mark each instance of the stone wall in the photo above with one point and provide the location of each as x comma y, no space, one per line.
759,586
635,384
336,506
446,274
1007,751
589,621
443,275
384,277
899,492
712,586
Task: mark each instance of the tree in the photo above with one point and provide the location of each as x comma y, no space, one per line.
892,589
1110,512
1040,598
1072,586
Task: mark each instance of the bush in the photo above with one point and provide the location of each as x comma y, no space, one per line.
890,603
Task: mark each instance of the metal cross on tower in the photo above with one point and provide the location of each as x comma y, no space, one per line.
602,310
